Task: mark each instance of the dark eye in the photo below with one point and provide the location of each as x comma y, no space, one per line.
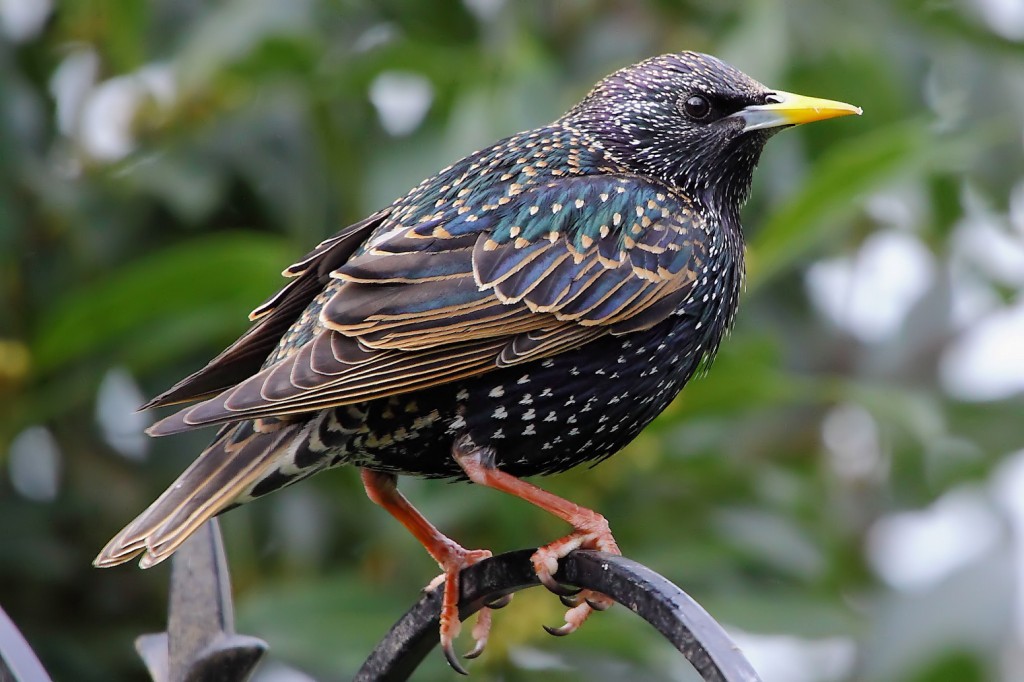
697,107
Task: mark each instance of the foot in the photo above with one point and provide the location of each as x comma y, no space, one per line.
382,489
457,559
592,532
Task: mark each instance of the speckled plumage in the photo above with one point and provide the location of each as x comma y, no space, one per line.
541,300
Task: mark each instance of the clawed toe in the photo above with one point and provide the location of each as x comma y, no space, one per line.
449,620
575,617
558,588
598,601
570,602
453,660
581,603
580,608
481,633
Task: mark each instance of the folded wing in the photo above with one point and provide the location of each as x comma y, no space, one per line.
471,288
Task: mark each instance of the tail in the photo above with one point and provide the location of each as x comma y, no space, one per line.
245,460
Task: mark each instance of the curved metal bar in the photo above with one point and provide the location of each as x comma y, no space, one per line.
17,660
671,611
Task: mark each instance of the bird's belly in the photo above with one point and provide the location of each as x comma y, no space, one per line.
541,417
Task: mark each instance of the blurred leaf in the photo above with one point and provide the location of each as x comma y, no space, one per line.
235,270
850,170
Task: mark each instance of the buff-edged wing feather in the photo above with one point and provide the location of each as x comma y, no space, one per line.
551,269
239,456
273,318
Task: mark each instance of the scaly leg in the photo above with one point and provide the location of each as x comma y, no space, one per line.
452,558
590,530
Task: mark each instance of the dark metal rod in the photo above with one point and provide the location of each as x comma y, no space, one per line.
200,644
671,611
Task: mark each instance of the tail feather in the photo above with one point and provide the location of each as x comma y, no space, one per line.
239,458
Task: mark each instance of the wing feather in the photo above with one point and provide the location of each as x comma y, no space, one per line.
459,294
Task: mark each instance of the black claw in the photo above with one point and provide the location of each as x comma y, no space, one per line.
559,632
499,603
597,605
558,588
478,649
453,660
571,602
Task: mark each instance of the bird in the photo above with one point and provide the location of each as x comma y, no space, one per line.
529,308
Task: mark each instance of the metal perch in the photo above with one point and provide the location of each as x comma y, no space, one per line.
200,644
680,619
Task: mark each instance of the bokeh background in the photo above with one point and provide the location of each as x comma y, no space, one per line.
844,490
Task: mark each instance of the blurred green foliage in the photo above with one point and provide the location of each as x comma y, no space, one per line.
160,162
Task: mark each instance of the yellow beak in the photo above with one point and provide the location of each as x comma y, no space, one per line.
789,109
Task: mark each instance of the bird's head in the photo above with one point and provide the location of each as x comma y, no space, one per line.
693,121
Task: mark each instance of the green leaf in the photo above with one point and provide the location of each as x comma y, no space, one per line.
233,271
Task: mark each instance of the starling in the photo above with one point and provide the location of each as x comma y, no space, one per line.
527,309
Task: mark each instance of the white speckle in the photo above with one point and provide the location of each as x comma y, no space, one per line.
500,413
497,435
525,379
529,430
462,395
529,414
497,392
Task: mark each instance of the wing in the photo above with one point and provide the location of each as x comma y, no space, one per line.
515,277
273,318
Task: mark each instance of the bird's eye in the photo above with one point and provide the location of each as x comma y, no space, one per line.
697,107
